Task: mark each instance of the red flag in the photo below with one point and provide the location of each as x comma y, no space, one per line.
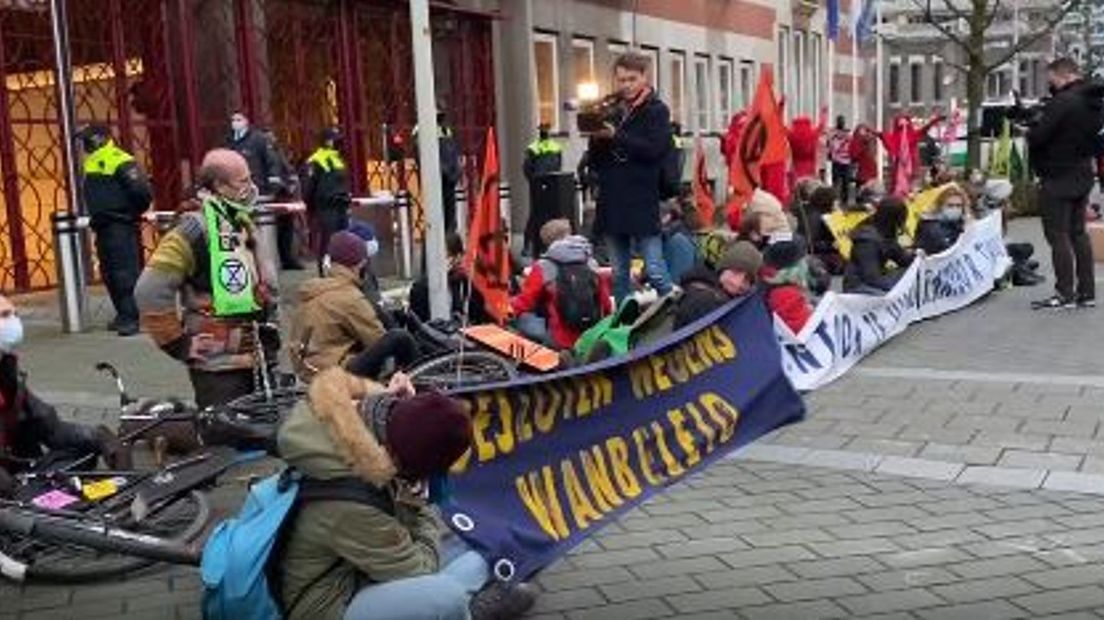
902,177
488,258
762,147
703,198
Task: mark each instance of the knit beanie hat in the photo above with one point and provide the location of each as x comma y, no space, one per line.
742,256
427,433
347,249
714,245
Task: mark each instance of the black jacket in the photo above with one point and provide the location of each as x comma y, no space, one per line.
630,171
260,154
870,252
325,187
1063,142
935,236
701,294
119,198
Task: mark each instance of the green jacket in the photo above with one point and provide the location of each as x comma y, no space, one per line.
628,328
335,548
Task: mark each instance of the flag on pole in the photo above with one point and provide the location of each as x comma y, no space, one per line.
488,256
1000,163
761,150
902,177
833,20
864,21
703,198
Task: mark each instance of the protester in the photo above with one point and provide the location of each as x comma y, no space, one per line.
714,244
819,240
452,170
466,299
679,249
839,153
805,140
226,289
390,557
704,289
285,188
904,139
764,205
258,151
367,234
874,247
864,155
336,325
628,157
29,427
785,275
563,295
1062,146
940,226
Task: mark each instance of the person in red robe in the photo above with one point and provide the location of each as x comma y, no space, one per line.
805,139
904,129
731,139
864,155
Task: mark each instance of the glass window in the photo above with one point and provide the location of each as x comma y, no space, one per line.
1024,87
819,84
782,67
582,68
895,81
916,88
724,91
652,54
701,94
747,83
548,79
676,79
797,75
937,79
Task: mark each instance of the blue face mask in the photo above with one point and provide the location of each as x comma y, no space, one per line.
11,334
951,214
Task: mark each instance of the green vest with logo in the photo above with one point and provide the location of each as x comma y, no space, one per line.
233,266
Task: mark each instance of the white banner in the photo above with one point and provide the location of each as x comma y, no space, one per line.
847,327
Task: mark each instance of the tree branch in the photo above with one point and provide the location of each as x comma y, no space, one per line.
993,15
957,12
941,27
1035,37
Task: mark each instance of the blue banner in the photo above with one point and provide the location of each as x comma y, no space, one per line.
557,457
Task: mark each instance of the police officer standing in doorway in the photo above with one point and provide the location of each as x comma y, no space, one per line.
543,156
325,183
116,193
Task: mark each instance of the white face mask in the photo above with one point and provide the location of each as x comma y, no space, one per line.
372,247
238,127
11,334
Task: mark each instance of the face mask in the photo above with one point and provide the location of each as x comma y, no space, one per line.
372,247
952,214
11,334
239,127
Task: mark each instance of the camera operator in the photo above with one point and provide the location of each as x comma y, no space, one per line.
628,153
1063,144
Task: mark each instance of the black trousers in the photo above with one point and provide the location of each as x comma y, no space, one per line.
1070,247
327,222
397,345
841,179
219,388
285,240
448,197
118,249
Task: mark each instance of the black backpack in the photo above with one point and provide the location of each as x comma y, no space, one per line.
577,296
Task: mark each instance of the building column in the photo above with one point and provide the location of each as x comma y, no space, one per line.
514,88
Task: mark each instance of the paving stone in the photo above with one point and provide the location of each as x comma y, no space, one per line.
808,589
845,548
641,521
889,601
937,538
804,610
768,555
956,453
694,548
735,598
879,430
1011,529
625,557
879,529
617,541
947,521
748,576
903,579
919,468
989,610
580,577
923,557
1057,601
688,566
1077,482
724,515
565,600
797,522
1011,440
1065,428
843,459
1040,460
780,537
1077,445
88,610
771,453
891,447
1093,465
1004,476
1031,511
984,589
634,590
1067,577
1075,538
890,513
630,610
985,423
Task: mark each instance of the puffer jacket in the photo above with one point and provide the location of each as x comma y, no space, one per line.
701,294
334,322
334,548
870,253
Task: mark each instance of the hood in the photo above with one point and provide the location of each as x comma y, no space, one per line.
866,232
701,276
341,277
572,249
326,437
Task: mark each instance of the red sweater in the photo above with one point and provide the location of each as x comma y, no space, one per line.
537,292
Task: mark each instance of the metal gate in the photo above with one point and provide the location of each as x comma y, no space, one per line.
166,74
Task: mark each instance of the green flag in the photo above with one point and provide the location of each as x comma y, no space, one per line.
1000,162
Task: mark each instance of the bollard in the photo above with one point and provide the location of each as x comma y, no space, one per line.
264,222
69,233
405,236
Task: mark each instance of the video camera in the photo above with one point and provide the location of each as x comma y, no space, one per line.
595,115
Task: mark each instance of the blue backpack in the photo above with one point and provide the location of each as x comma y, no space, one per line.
235,566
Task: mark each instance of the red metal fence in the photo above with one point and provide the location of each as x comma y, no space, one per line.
166,74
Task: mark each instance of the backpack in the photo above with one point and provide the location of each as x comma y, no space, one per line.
577,296
239,582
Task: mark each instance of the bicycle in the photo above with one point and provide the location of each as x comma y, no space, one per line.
66,524
449,359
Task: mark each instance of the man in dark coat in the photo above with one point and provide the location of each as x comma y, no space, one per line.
1063,145
628,155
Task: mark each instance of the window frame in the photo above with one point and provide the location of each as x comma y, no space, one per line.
747,89
938,75
893,80
916,86
725,68
654,57
545,37
577,43
702,94
678,110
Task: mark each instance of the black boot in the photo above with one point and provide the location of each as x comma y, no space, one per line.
502,601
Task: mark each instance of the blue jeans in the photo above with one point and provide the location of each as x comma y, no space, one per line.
443,595
534,327
655,266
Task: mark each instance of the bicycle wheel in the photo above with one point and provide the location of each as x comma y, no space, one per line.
51,549
262,408
452,371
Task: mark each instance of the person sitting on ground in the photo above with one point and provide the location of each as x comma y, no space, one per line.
704,289
714,244
563,295
29,427
679,249
818,236
785,275
389,558
941,225
465,298
875,246
997,196
766,206
336,325
367,234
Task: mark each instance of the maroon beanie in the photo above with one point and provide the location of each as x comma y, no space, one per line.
427,434
347,249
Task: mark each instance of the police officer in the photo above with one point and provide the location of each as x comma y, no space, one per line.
448,150
543,156
116,193
326,190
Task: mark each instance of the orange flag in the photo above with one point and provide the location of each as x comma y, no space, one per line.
762,144
703,198
488,258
